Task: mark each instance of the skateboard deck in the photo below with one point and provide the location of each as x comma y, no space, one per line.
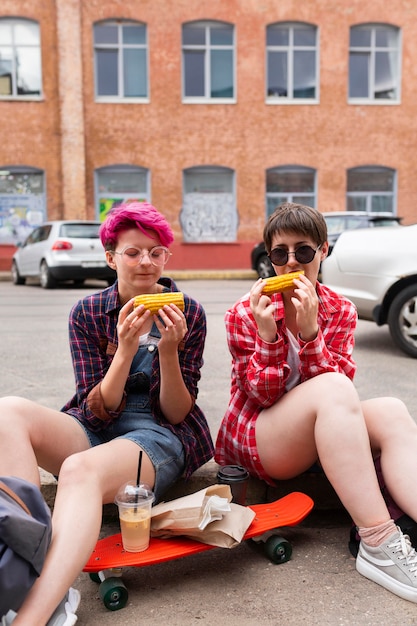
108,557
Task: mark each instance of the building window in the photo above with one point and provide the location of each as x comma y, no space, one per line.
290,183
371,189
22,202
209,207
208,61
20,59
374,63
292,67
121,60
120,183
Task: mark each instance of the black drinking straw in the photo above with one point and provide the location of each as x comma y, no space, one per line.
138,480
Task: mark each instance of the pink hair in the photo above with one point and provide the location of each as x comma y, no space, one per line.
140,215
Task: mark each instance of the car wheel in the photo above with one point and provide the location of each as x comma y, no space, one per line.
17,279
264,267
46,278
402,320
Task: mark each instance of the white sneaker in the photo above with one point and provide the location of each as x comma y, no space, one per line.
392,565
64,614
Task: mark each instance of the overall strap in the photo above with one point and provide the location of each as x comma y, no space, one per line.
14,496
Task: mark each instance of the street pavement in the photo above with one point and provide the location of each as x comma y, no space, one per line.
238,587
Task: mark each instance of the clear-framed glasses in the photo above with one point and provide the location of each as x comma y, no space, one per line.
303,254
158,255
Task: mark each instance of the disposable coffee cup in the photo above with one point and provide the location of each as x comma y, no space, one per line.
237,478
135,504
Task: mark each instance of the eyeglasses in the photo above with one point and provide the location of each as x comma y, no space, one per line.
303,254
132,256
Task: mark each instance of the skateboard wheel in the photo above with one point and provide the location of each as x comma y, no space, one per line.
113,593
278,550
94,577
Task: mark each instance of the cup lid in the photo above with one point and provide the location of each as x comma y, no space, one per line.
132,493
232,473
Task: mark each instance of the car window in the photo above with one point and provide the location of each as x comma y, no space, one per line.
335,225
80,231
356,222
44,232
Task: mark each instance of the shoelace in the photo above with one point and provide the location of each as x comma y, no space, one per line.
403,545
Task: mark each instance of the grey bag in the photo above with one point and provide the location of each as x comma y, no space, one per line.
25,535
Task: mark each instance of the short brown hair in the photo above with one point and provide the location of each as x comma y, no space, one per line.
295,218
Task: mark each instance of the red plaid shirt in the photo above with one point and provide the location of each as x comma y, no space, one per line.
260,370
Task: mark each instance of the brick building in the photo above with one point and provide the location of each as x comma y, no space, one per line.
215,112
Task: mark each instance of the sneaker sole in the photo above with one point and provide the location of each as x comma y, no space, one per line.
377,576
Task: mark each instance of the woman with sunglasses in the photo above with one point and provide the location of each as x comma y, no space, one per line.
136,385
293,402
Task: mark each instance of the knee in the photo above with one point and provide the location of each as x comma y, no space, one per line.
337,388
12,408
76,470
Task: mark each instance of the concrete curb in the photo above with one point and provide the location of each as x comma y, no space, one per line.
314,484
189,275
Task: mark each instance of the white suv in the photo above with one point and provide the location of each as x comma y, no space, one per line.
376,268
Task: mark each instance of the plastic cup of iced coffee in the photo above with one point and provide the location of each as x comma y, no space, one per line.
135,504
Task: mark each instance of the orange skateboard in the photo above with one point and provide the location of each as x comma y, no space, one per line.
108,558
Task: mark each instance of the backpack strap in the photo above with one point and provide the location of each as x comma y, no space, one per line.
14,496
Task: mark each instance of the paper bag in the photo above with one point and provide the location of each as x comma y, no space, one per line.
207,515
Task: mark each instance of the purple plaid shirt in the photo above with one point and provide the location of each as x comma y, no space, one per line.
93,342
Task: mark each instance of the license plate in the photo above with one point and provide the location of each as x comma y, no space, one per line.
93,264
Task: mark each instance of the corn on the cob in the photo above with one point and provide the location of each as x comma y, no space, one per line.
155,301
275,284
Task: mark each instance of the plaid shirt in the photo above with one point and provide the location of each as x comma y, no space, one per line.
93,343
260,370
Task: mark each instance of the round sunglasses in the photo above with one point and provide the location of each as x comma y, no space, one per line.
303,254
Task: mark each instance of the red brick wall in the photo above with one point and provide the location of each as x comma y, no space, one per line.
167,136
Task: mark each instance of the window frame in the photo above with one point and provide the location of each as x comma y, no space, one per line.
208,48
369,195
291,196
120,47
372,49
125,196
290,49
13,21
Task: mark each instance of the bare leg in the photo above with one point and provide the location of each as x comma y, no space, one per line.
393,435
86,481
322,419
32,435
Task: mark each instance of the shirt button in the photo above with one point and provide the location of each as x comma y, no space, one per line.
255,458
151,348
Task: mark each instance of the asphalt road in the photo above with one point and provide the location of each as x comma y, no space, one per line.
238,587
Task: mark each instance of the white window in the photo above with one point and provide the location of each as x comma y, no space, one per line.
121,61
208,62
20,59
371,189
22,202
290,183
292,65
117,183
374,64
209,206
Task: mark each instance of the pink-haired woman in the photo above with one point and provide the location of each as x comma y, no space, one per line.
136,387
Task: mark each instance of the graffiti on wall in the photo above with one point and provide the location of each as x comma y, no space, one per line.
19,215
209,217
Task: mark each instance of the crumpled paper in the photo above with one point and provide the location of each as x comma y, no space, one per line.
207,515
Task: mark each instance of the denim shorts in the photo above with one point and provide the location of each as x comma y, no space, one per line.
164,449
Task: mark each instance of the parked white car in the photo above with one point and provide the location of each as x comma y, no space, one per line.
59,251
376,269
